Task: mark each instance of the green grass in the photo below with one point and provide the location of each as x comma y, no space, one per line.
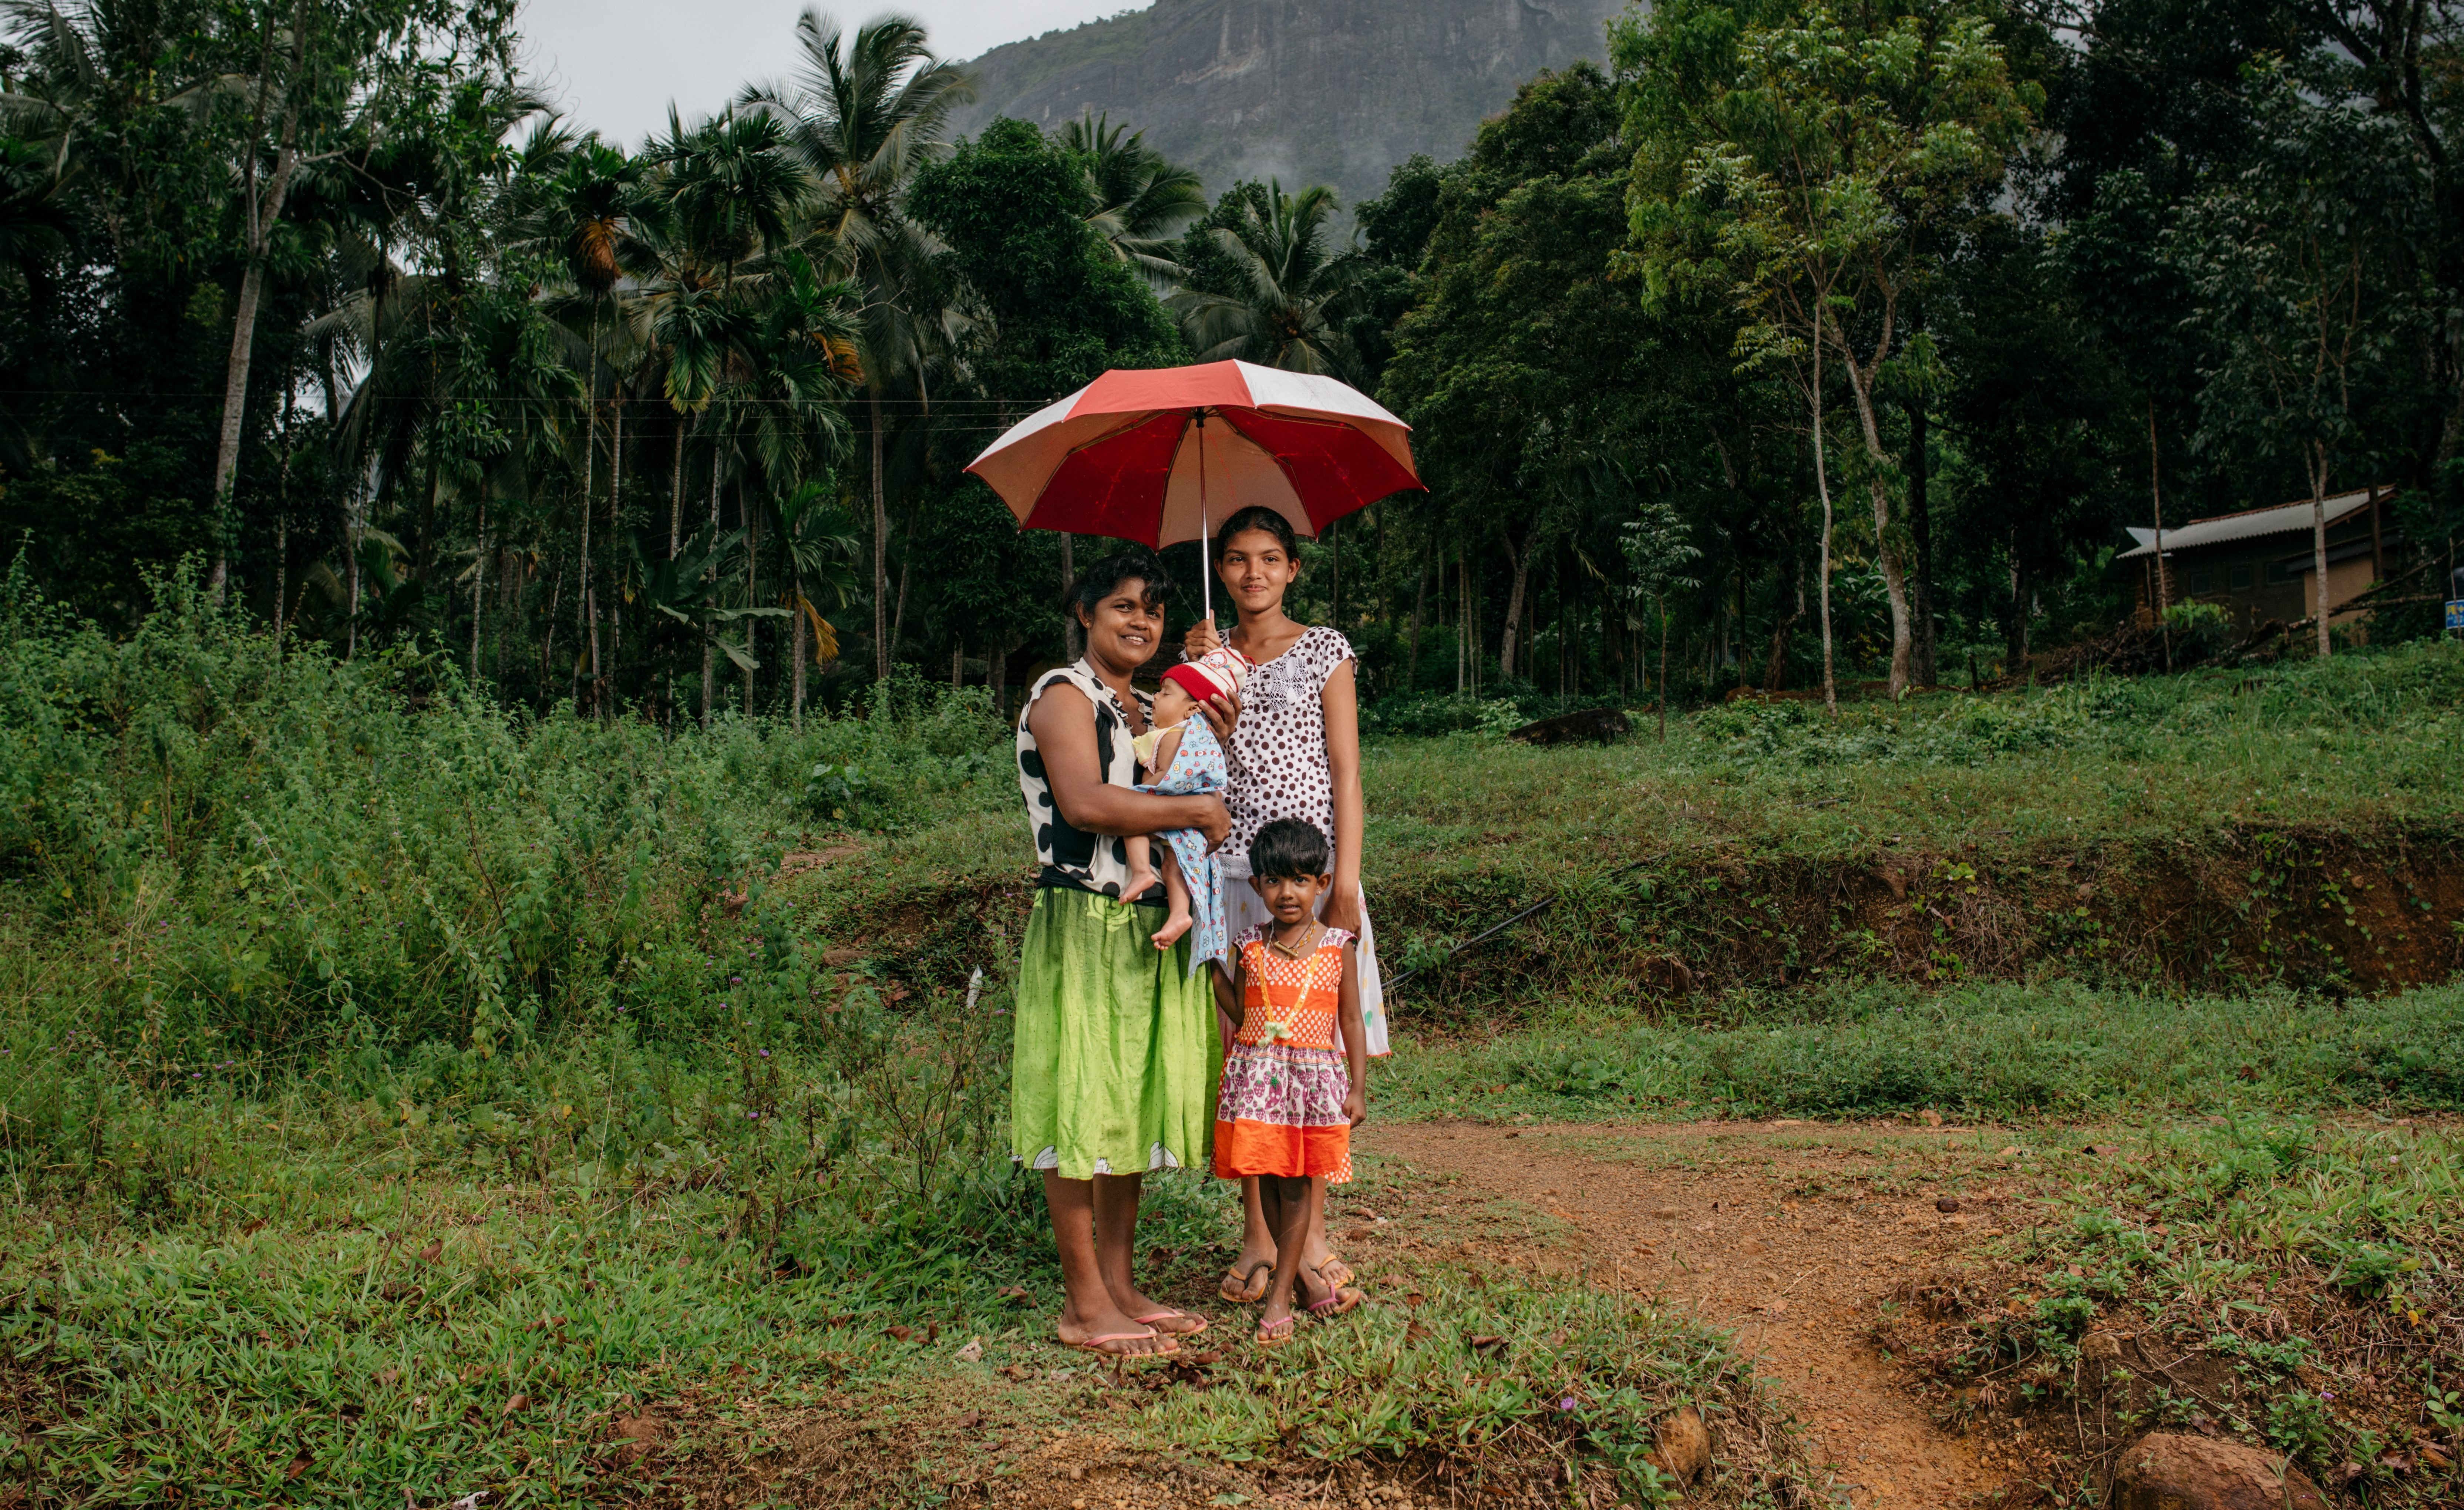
305,967
2058,1048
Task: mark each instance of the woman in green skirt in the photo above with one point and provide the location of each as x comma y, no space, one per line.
1114,1066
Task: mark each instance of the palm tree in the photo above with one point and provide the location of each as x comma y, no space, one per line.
1290,290
1137,200
862,116
589,217
730,186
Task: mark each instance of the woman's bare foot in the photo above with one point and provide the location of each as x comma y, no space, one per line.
1111,1333
1174,926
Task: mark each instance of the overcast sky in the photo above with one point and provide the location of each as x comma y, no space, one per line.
616,64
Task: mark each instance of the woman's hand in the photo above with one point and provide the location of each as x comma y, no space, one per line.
1211,818
1203,640
1222,710
1342,910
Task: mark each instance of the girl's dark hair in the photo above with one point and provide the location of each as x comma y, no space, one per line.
1257,516
1288,847
1096,582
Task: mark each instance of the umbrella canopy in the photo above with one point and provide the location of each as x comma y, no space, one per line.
1149,455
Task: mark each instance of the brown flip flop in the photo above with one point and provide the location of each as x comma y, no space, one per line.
1097,1344
1247,1287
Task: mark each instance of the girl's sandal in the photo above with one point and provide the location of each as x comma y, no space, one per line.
1275,1334
1197,1323
1342,1300
1335,1272
1246,1286
1106,1344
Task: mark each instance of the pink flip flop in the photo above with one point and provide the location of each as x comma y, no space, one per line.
1172,1316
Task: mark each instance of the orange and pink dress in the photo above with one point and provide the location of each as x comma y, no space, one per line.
1281,1107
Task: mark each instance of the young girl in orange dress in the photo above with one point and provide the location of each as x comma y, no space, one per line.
1290,1096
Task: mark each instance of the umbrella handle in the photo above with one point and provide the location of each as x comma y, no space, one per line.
1205,537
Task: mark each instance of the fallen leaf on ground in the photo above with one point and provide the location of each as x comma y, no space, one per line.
973,1352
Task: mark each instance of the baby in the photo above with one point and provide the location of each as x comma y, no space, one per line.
1179,756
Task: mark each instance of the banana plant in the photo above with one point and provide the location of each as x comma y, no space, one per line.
673,589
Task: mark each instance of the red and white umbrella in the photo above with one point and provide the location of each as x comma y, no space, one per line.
1146,454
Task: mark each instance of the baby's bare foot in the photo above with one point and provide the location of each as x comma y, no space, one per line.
1142,881
1172,928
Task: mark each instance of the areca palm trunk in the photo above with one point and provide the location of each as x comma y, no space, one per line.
798,675
710,598
586,603
615,597
880,547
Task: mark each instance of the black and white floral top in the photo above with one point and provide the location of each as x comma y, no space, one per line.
1280,767
1070,856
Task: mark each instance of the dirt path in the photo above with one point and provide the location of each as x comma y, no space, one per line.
1790,1232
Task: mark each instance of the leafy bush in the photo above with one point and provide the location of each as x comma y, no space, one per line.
2201,631
271,860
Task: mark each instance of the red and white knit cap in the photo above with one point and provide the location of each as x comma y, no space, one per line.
1219,673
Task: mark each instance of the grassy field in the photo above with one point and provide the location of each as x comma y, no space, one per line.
395,1094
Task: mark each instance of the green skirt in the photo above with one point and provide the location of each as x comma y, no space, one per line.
1115,1058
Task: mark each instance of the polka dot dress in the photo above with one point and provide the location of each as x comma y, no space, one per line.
1279,761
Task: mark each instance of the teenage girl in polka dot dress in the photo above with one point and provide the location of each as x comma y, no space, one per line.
1295,754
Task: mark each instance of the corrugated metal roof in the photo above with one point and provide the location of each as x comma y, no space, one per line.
2282,519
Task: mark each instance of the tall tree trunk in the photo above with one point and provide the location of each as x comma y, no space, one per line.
676,490
547,640
479,584
2015,644
1462,627
2318,541
1505,644
744,512
881,549
258,233
1886,554
1921,526
710,593
1775,669
797,672
2156,505
615,556
1420,611
1822,486
906,574
588,604
1659,608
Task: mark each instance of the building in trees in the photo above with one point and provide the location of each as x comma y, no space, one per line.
2256,564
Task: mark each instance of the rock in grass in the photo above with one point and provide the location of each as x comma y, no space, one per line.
2169,1471
1681,1446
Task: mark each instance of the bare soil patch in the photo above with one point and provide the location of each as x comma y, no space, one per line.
1792,1234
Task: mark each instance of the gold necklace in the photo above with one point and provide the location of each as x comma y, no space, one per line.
1289,952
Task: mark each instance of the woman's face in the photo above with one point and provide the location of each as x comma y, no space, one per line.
1124,632
1255,569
